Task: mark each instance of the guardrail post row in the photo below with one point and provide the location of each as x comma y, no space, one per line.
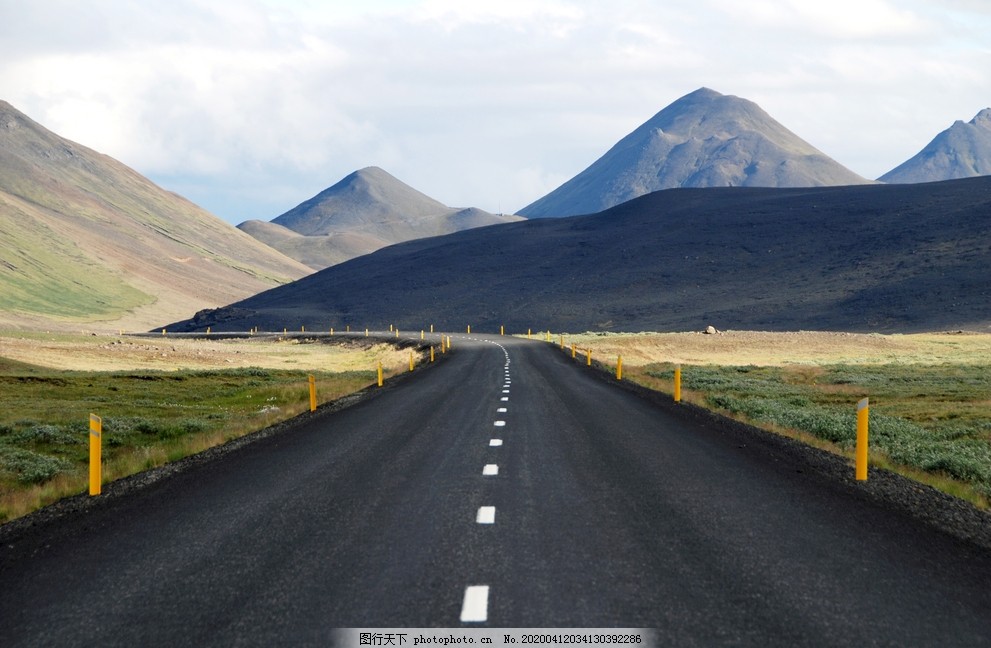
677,384
863,411
313,393
95,454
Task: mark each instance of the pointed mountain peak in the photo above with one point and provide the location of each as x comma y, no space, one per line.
703,139
961,151
982,119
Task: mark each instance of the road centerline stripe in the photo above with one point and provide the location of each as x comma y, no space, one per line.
475,606
495,443
490,469
485,515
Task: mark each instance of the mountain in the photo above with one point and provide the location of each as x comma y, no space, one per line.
859,258
87,240
961,151
704,139
365,211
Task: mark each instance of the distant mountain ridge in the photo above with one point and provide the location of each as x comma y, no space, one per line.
367,210
893,258
704,139
961,151
85,239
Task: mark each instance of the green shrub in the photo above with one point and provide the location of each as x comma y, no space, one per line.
31,467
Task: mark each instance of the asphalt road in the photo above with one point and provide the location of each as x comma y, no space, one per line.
604,510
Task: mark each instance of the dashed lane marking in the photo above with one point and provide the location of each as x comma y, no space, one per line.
502,410
490,469
495,443
475,607
486,515
499,424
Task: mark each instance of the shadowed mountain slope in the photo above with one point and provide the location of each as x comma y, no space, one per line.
365,211
859,258
704,139
86,239
961,151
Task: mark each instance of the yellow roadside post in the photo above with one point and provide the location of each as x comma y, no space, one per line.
528,334
397,333
208,330
677,384
95,452
469,329
619,368
411,361
431,328
331,331
421,334
862,416
574,350
431,353
502,330
163,332
380,373
302,329
562,340
366,332
589,358
313,393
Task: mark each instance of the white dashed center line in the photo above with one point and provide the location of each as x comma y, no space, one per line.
486,515
495,443
504,399
490,469
501,410
475,608
499,424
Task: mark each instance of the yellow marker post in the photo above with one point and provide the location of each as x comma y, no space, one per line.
95,453
313,393
302,329
380,373
862,415
411,361
562,340
163,332
390,327
548,337
397,332
421,334
285,331
677,384
331,331
448,342
589,357
366,332
502,329
528,334
619,368
431,354
469,329
208,330
574,350
431,328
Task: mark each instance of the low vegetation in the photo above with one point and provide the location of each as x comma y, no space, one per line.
930,395
152,416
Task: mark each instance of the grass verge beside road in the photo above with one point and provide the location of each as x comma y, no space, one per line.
153,416
930,395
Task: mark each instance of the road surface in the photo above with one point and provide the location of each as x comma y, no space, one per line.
506,486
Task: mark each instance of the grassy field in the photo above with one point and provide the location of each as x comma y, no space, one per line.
159,400
930,394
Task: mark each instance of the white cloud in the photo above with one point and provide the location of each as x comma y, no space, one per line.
476,103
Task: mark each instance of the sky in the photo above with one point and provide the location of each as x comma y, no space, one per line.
250,107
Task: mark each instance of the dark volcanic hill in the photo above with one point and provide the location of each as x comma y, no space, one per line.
704,139
85,240
859,258
961,151
365,211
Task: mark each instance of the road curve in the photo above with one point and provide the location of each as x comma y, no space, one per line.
558,498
